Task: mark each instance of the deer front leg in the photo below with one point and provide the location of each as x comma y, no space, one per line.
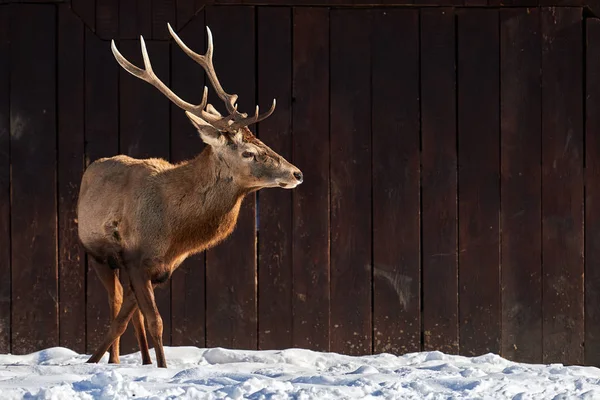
144,294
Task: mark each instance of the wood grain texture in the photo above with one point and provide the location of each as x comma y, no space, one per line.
231,316
5,239
439,181
396,182
163,12
350,133
520,57
71,257
86,10
101,140
592,192
188,289
33,190
144,133
107,19
478,181
274,206
562,185
310,119
135,19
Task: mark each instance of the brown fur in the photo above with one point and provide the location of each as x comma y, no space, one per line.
147,216
144,217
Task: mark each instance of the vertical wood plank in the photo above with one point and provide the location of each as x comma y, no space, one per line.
592,199
101,140
163,12
5,258
144,133
185,11
128,21
470,3
274,49
396,182
478,181
562,185
144,18
439,180
71,256
86,10
188,282
350,182
521,184
310,119
33,158
231,319
135,19
107,19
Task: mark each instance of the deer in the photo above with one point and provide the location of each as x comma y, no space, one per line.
144,217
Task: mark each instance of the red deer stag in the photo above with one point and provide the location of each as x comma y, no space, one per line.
145,217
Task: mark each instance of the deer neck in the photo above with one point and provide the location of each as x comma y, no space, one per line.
206,201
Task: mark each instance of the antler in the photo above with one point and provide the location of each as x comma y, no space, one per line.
148,75
205,61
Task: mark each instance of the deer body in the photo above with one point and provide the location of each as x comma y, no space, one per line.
144,217
157,211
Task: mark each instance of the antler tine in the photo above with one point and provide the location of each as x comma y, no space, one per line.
206,62
149,76
255,118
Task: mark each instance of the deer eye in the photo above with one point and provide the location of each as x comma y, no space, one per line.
247,154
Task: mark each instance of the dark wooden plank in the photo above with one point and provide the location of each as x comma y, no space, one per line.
438,181
144,133
71,257
188,282
5,285
274,49
350,133
562,3
478,181
592,192
185,12
144,18
521,252
107,19
231,319
135,19
86,10
514,3
33,189
437,2
562,185
396,182
127,20
475,3
310,236
163,12
101,140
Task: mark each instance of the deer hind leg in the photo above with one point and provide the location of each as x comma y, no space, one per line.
110,280
138,325
144,293
117,326
140,334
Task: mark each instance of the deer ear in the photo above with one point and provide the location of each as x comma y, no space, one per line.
208,133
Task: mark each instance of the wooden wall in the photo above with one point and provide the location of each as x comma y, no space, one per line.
450,159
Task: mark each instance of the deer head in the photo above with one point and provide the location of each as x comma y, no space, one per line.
253,165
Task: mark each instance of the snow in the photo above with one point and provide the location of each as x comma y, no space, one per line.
217,373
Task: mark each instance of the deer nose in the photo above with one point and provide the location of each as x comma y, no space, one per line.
298,176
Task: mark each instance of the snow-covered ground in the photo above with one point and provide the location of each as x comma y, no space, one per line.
193,373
